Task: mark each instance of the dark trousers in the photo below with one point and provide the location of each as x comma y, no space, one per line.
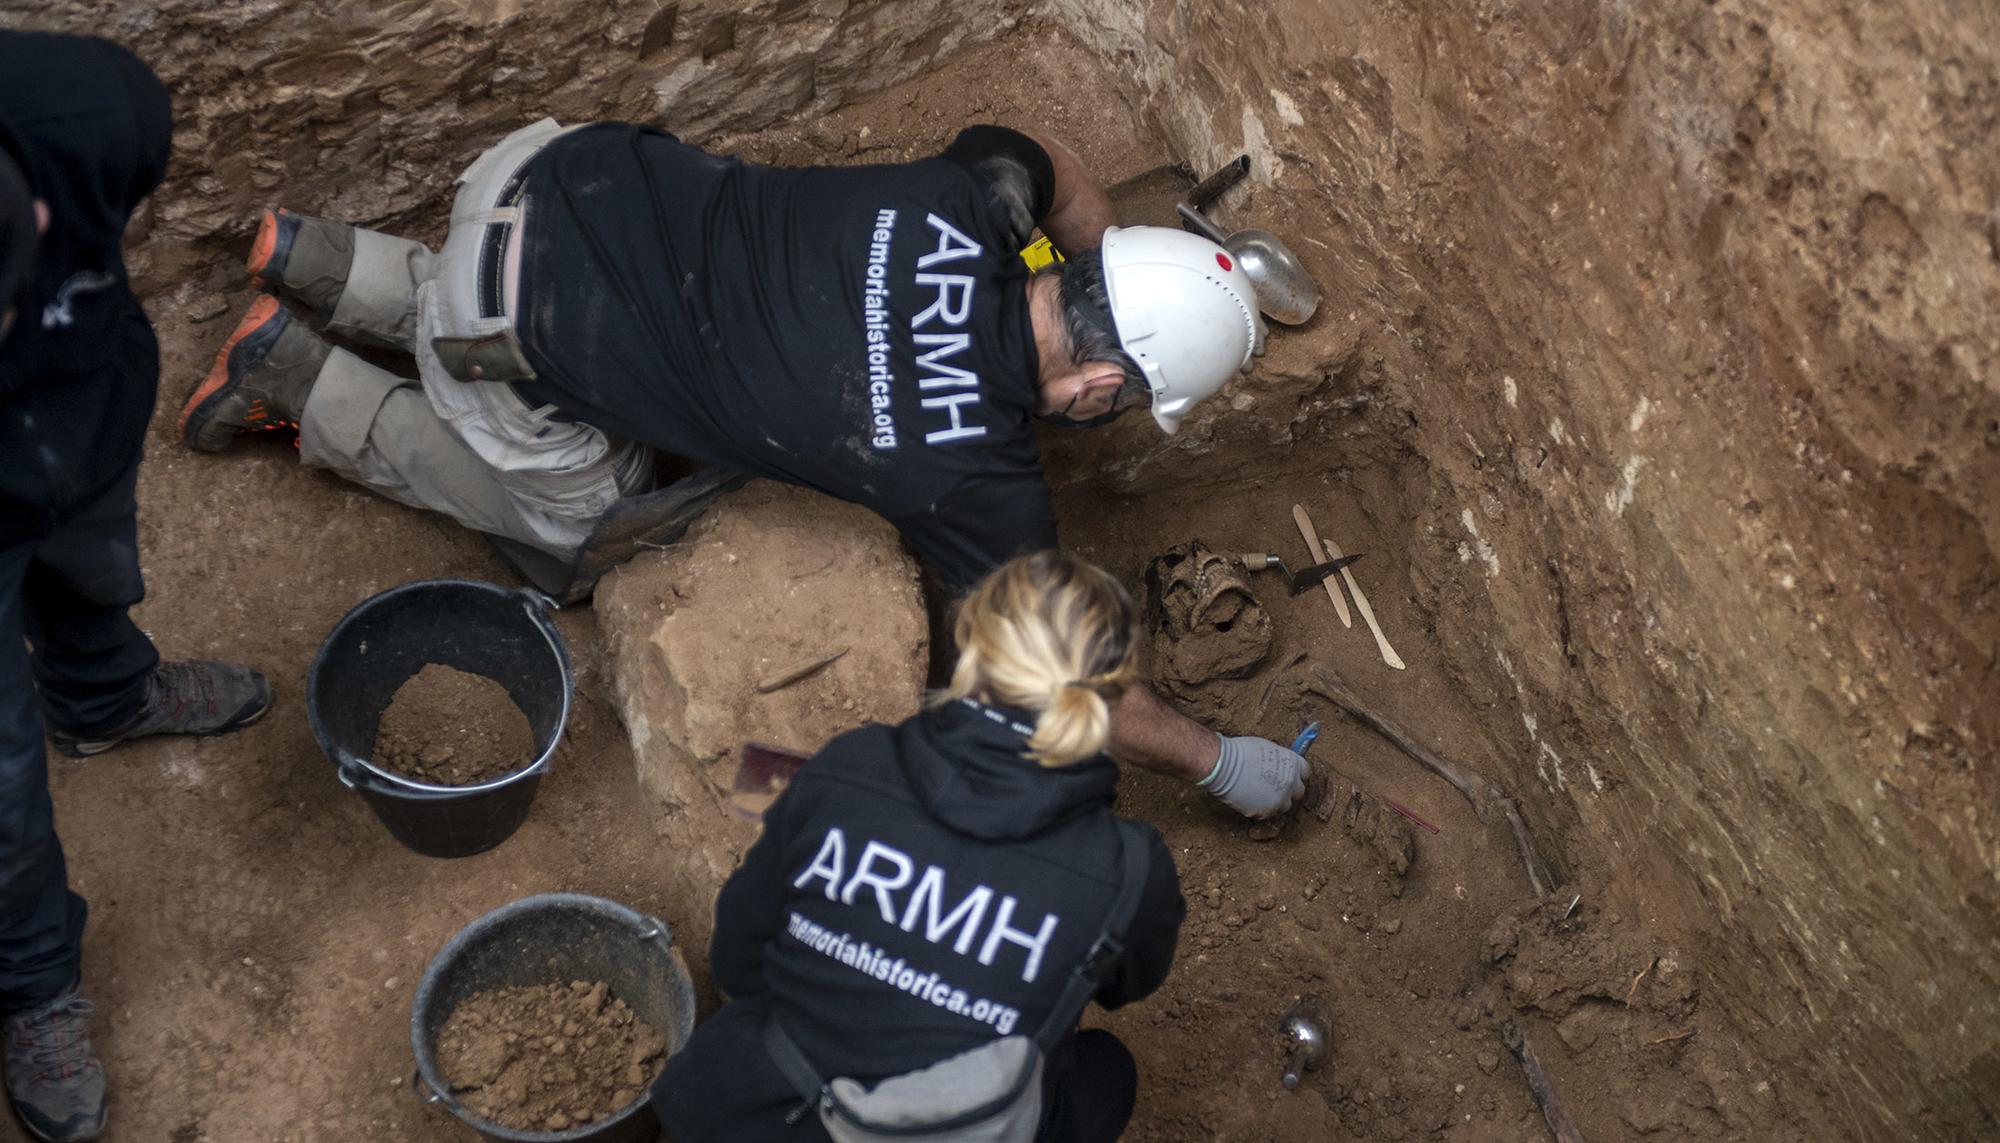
1093,1084
65,592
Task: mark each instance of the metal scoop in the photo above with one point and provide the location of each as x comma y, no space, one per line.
1285,292
1308,1039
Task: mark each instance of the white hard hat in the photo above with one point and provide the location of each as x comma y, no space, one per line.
1183,309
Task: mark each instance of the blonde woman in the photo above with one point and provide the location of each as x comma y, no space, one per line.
923,890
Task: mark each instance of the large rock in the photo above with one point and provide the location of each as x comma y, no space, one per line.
772,579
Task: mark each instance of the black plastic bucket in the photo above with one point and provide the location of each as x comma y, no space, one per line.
481,628
550,939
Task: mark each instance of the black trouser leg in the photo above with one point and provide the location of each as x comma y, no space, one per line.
1093,1084
41,921
91,661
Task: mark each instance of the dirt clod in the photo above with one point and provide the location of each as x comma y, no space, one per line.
453,728
550,1056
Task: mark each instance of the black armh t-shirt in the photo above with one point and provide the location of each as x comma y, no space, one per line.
859,330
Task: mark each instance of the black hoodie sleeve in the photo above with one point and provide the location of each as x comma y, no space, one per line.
152,124
1155,931
749,912
982,523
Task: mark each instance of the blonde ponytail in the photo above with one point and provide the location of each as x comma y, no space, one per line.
1054,634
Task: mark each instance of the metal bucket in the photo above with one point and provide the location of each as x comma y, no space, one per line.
482,628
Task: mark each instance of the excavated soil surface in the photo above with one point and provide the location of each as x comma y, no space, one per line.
255,934
450,727
548,1057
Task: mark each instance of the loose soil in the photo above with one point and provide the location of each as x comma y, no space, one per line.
450,727
548,1057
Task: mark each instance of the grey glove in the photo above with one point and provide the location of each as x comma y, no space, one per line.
1257,777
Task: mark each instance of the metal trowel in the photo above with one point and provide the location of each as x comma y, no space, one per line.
1285,291
1299,581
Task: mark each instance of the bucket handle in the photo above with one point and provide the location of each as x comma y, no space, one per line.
541,609
652,928
423,1088
349,769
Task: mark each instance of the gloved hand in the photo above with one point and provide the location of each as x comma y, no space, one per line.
1257,777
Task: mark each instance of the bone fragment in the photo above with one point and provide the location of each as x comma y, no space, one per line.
797,671
1483,794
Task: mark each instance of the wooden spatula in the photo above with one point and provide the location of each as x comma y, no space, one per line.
1389,655
1313,550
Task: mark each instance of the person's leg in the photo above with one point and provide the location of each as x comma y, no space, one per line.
53,1076
381,431
91,661
361,284
41,921
100,680
1092,1085
373,427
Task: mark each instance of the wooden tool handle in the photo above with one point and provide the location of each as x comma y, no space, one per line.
1313,553
1333,552
1389,655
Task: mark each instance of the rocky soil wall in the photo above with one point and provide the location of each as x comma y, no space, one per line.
1663,335
368,109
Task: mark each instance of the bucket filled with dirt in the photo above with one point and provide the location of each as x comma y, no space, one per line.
440,702
548,1019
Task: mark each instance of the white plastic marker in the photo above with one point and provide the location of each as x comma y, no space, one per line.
1389,655
1313,556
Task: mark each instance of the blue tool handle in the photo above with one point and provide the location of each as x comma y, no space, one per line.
1306,738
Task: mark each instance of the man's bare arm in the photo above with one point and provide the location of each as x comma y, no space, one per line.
1080,210
1254,776
1151,735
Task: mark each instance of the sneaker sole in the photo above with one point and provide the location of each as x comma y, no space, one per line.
90,748
220,383
96,1132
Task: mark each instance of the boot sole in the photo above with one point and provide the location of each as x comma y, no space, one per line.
220,382
264,250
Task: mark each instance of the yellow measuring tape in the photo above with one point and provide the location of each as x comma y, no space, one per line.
1041,252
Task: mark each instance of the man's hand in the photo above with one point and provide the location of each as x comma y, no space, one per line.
1257,777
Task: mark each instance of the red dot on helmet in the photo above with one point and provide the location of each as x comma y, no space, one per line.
1222,260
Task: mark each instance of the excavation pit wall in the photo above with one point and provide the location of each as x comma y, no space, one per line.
1655,376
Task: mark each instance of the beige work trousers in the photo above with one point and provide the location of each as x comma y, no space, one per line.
475,451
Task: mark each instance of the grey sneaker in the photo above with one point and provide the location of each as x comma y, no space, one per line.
53,1077
260,380
199,697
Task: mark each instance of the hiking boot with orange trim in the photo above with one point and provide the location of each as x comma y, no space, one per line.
307,258
259,382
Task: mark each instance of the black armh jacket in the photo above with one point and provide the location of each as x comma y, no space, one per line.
919,890
91,127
